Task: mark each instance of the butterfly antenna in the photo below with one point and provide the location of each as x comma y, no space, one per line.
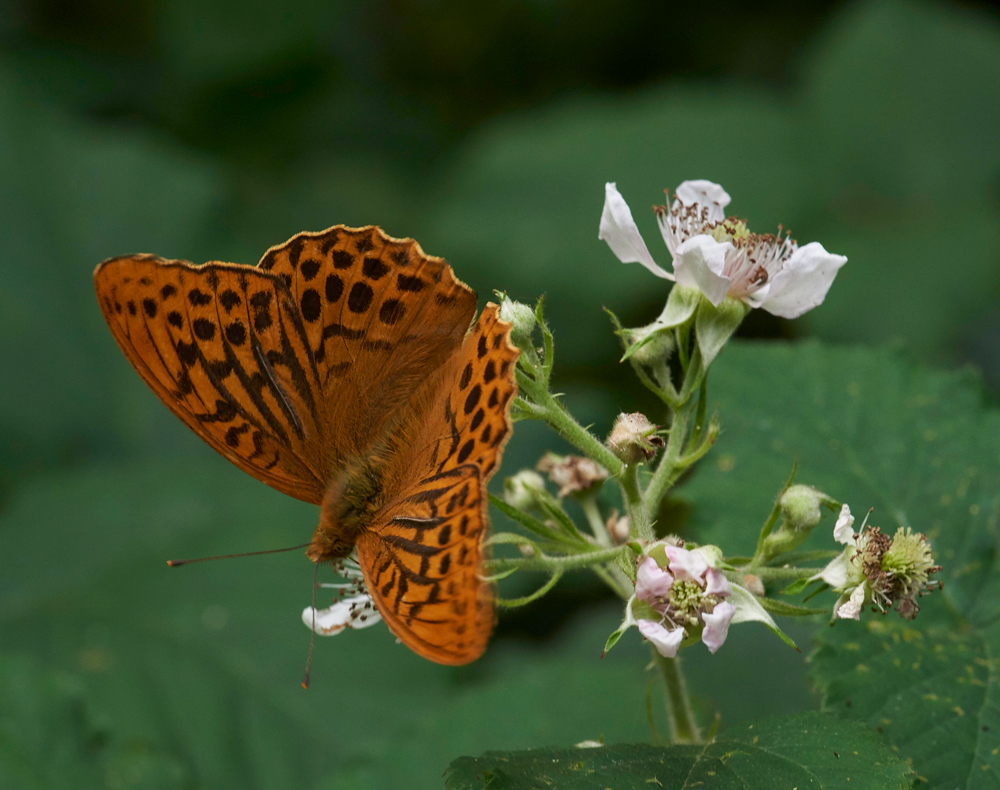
312,636
178,563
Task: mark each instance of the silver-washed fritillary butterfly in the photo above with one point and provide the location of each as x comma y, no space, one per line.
342,370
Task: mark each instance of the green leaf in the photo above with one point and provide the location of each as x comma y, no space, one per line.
929,691
49,740
807,750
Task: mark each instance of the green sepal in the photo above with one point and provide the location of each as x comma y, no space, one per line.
715,325
749,609
613,639
783,609
681,305
796,586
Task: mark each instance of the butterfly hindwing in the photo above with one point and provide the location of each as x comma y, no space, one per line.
422,556
222,347
380,316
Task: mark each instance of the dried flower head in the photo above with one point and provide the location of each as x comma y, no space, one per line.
573,474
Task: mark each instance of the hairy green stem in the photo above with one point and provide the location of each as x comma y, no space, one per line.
683,727
594,519
543,405
552,564
615,579
669,470
781,574
642,526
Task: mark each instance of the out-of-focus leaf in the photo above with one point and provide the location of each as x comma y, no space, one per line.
71,196
48,739
805,750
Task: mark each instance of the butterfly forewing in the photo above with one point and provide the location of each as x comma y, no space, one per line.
380,315
222,347
422,556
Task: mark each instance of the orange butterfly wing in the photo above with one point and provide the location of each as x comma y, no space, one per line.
422,556
380,315
289,368
224,349
334,340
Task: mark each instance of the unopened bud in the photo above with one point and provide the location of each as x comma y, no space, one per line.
522,320
800,512
619,528
572,473
800,507
522,489
754,584
633,438
657,344
526,550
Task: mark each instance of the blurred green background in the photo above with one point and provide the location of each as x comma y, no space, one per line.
212,130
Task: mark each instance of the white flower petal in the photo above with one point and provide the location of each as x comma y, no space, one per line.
716,583
334,619
836,572
665,641
699,262
705,193
686,565
717,625
619,230
652,582
802,282
843,530
852,609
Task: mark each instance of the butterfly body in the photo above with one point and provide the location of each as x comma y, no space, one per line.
343,371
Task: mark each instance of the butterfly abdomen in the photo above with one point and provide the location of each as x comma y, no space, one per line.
351,503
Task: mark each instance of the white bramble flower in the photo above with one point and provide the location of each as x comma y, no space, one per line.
878,569
357,610
719,256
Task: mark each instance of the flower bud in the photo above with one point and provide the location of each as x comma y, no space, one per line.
655,344
754,584
522,489
619,528
633,438
800,507
522,320
800,510
572,473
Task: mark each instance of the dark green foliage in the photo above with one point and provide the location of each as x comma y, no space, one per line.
807,750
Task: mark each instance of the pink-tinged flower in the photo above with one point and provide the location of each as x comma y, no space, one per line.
690,598
651,581
666,641
719,256
717,625
688,565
